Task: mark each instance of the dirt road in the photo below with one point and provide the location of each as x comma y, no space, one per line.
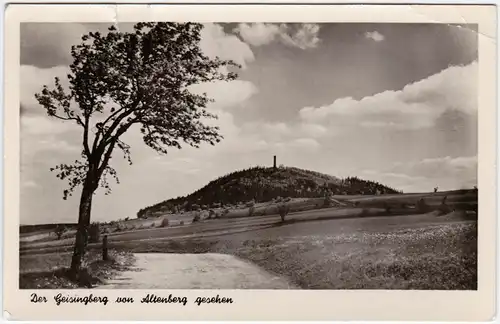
195,271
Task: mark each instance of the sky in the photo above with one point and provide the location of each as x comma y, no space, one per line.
394,103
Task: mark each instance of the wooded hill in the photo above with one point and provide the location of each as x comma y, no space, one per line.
262,184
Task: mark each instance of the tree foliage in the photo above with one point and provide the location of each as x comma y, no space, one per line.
143,78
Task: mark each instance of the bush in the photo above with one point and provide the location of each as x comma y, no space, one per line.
164,222
59,231
196,217
422,206
327,202
181,223
94,233
153,224
283,210
211,214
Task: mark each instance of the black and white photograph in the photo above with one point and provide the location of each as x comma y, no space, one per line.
206,162
184,155
162,155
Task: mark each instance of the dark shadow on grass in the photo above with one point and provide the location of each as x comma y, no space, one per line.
57,279
96,273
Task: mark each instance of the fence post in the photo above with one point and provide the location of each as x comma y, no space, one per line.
105,248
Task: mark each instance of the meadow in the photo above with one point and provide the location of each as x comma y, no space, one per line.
376,242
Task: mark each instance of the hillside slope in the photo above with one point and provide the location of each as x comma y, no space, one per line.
264,184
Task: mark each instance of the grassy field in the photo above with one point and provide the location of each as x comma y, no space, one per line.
336,248
50,271
351,254
399,203
430,257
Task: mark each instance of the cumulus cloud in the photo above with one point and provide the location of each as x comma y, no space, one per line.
258,34
314,130
416,106
226,94
375,36
303,36
286,133
448,173
215,42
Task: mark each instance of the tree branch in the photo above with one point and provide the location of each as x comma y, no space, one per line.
112,143
107,136
77,118
86,137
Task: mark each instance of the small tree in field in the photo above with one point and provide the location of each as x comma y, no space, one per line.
118,80
60,230
283,210
164,222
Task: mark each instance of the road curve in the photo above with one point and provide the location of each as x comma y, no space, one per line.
195,271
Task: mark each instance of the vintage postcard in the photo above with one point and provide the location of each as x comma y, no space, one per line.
250,162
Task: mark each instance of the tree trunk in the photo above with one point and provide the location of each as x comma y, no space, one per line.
105,255
82,231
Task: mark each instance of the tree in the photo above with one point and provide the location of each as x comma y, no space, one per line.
283,210
60,230
120,79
